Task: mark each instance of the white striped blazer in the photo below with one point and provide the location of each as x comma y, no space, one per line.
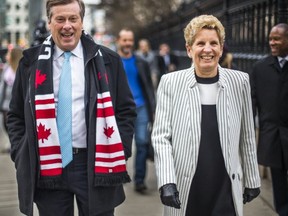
176,133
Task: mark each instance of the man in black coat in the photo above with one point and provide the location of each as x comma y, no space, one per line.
167,61
140,82
269,86
99,125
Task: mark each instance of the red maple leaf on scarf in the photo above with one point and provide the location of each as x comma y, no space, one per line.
40,78
108,131
105,76
43,133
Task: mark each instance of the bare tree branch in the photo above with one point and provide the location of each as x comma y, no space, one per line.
135,14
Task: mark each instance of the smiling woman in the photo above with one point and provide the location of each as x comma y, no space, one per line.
204,43
205,52
203,133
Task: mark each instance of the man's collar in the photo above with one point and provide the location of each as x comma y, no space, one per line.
78,51
280,58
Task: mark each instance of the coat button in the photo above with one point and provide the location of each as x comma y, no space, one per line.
233,176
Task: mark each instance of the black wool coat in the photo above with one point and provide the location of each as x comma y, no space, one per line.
147,86
22,130
269,88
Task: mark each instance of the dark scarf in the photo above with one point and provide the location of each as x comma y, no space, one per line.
110,163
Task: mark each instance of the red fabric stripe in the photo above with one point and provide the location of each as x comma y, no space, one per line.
120,168
105,112
49,150
51,172
44,101
109,148
51,161
110,159
103,100
45,114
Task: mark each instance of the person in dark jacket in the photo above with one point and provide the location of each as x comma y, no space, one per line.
145,52
140,82
269,87
167,61
99,112
40,33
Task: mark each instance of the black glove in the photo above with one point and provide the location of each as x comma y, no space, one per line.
250,194
170,196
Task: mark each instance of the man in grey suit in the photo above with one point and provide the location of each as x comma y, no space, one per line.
269,83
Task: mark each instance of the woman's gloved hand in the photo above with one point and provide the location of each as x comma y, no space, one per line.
250,194
170,196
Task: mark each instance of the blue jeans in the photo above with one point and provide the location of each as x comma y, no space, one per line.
141,141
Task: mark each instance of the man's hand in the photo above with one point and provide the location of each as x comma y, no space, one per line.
170,196
250,194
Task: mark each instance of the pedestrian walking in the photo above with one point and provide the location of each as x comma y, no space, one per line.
71,121
203,134
269,84
167,60
139,79
145,52
13,57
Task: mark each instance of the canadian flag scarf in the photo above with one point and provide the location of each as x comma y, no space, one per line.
110,163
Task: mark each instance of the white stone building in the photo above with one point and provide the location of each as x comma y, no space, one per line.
17,21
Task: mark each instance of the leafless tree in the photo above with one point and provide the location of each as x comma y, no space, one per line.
135,14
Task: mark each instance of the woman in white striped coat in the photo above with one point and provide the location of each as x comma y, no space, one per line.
203,134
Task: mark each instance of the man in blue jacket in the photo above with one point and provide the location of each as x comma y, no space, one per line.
140,82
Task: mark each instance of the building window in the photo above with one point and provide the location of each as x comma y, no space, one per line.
17,20
17,7
8,36
17,37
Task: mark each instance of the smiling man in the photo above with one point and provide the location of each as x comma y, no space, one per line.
71,121
140,82
269,81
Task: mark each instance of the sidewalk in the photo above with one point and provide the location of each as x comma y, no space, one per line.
135,204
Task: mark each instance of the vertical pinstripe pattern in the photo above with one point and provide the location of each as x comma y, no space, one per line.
176,133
